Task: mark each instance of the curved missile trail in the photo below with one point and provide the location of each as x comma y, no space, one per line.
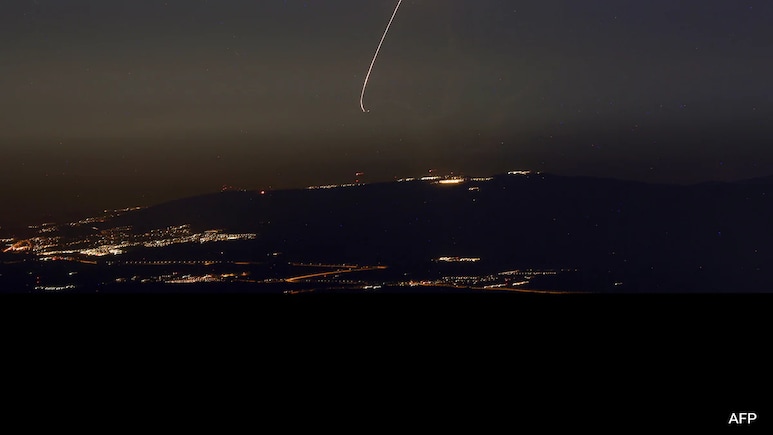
365,84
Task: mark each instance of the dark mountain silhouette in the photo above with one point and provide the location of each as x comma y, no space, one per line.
655,237
757,180
651,237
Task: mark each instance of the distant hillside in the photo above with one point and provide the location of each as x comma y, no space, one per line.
757,180
666,237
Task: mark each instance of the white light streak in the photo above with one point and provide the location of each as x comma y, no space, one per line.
370,69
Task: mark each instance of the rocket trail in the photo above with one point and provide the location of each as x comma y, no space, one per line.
365,84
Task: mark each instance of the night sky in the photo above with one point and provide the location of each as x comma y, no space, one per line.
108,104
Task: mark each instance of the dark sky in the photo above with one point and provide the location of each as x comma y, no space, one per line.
107,104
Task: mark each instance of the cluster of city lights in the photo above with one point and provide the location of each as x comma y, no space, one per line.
115,241
529,272
458,259
54,288
192,279
438,179
334,186
452,180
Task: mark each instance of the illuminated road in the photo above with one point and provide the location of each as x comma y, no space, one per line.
327,266
334,272
21,245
